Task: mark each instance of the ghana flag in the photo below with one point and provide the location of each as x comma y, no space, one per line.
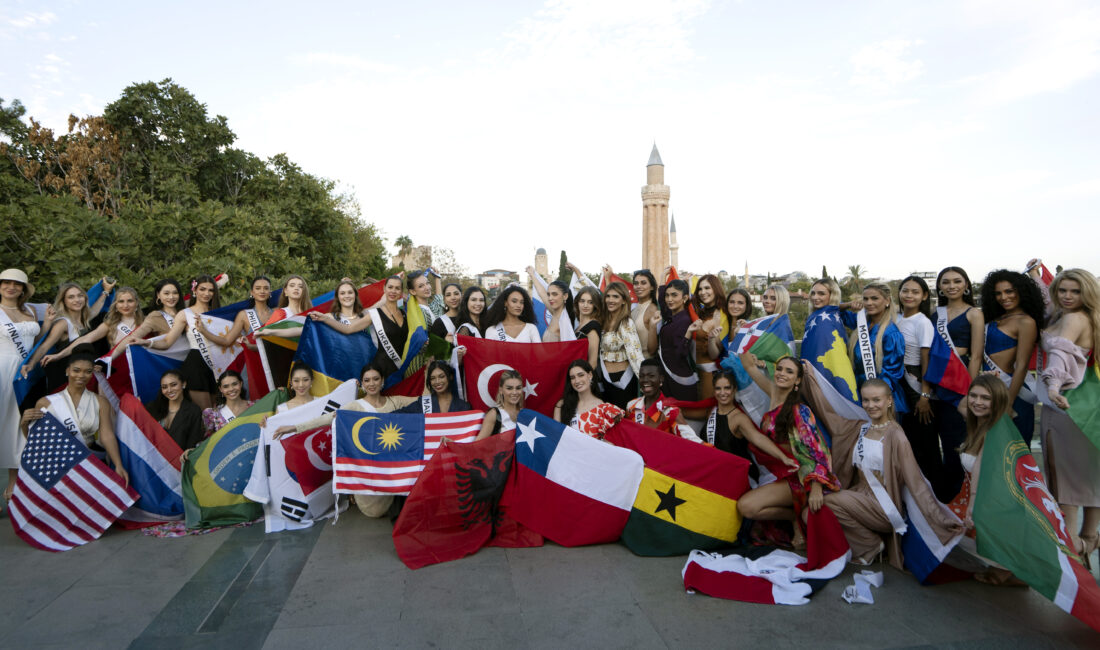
215,472
688,496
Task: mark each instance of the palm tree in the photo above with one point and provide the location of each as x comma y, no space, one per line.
855,277
404,244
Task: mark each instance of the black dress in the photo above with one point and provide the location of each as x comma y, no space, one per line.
397,334
186,428
725,440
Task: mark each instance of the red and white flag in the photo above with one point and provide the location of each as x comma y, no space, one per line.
64,496
778,577
542,366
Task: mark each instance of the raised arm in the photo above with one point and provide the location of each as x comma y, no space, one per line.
749,363
539,284
357,325
97,306
229,338
57,330
90,337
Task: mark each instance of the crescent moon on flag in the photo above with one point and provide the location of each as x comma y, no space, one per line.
314,457
483,381
355,435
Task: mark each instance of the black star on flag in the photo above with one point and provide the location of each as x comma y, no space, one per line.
669,501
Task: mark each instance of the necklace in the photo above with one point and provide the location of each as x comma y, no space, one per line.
881,426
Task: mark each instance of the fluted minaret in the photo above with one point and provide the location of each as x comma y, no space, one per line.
655,231
746,282
673,247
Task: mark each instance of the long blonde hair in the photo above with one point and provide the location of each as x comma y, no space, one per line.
884,321
782,299
59,305
114,317
976,428
612,321
1090,300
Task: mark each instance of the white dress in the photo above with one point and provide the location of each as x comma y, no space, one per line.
11,439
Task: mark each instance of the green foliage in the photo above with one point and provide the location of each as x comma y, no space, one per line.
563,271
190,204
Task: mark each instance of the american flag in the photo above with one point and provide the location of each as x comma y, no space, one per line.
64,496
393,473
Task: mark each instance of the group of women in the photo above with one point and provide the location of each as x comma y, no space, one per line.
655,353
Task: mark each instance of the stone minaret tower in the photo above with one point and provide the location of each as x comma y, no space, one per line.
655,215
673,247
746,282
541,265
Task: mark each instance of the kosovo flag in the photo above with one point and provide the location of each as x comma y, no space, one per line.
334,356
215,473
688,496
825,346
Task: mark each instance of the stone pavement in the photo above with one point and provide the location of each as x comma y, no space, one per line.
342,586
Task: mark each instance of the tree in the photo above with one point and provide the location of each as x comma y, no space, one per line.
168,140
563,270
824,273
854,282
404,244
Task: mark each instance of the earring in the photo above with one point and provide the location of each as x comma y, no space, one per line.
966,293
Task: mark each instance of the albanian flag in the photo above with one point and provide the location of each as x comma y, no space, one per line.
452,510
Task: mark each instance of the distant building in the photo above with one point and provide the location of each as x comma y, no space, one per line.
655,226
418,258
542,265
496,278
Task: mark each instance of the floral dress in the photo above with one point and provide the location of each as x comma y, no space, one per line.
806,445
598,419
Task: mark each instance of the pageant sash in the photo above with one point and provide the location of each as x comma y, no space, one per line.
227,413
253,319
624,380
712,425
448,324
199,341
1027,391
168,318
690,380
883,498
941,330
866,353
426,404
381,337
11,330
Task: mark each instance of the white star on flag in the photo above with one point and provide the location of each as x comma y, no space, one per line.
528,434
529,389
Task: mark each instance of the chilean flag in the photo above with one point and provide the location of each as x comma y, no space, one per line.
945,368
777,578
568,487
152,459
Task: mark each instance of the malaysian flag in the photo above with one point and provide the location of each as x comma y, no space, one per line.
64,496
385,453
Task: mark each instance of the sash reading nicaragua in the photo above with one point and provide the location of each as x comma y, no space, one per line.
384,453
688,495
1020,526
945,367
866,353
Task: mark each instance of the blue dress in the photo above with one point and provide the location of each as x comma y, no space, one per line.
997,341
947,479
893,359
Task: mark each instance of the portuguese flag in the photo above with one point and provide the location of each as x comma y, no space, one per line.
1020,526
1084,405
688,496
215,472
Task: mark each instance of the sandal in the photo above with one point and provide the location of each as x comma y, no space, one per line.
999,578
1088,543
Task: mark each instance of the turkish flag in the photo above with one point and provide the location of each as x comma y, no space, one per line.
604,281
452,510
309,458
542,366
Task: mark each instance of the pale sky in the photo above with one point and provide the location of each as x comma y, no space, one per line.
897,135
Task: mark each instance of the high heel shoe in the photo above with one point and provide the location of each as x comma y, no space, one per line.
1089,543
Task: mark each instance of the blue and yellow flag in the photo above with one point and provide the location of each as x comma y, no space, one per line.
418,336
825,346
334,356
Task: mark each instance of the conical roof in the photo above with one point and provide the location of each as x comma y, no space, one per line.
654,157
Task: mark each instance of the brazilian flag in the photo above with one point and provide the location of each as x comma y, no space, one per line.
215,473
688,496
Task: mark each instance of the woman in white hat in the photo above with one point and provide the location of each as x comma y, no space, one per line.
18,328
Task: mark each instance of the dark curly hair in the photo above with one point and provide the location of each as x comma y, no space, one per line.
495,313
1031,299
